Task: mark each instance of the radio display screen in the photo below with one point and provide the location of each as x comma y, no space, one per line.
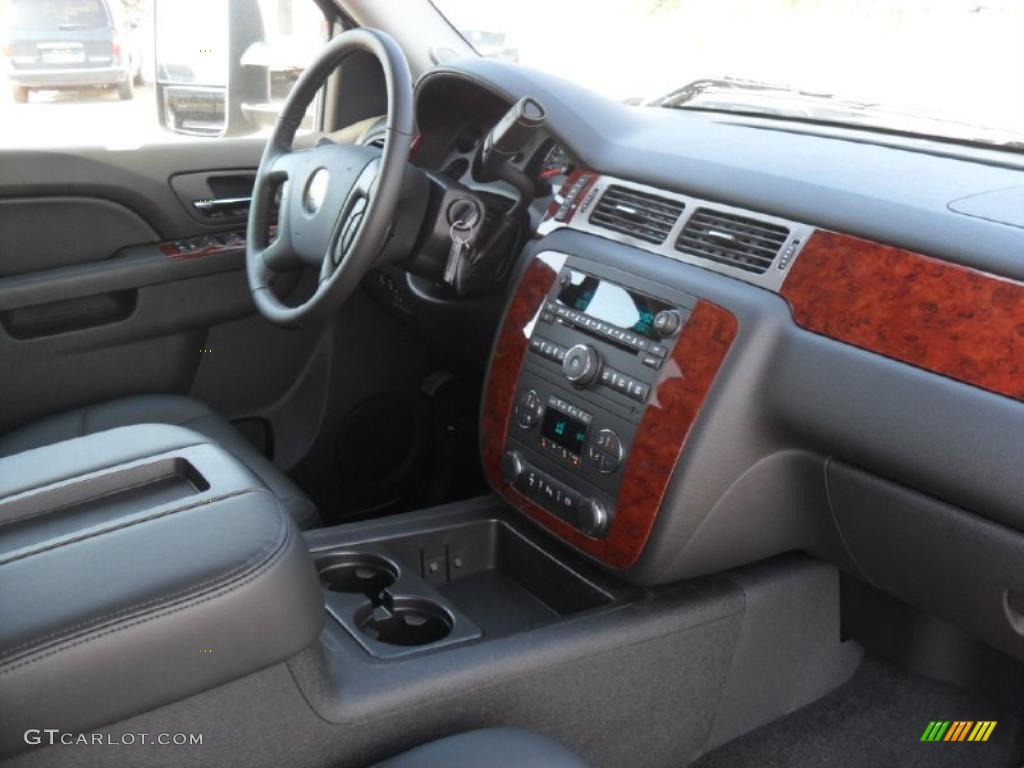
566,431
612,304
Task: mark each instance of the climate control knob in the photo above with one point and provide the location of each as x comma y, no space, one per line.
592,517
581,365
529,409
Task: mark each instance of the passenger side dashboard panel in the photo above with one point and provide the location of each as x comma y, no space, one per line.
942,317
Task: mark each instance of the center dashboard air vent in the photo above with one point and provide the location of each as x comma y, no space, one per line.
637,214
747,244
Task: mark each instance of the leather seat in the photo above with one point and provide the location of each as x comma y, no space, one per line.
164,409
489,748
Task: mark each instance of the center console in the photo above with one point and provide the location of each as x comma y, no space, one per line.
140,566
596,379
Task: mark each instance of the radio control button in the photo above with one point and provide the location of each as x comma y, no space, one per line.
637,390
659,350
651,361
667,322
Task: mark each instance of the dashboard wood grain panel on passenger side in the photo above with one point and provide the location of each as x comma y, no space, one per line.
945,318
673,407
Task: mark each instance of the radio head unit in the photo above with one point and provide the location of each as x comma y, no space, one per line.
596,349
596,378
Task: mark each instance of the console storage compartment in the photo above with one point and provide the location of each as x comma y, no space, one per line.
399,589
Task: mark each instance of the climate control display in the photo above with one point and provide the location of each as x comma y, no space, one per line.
564,434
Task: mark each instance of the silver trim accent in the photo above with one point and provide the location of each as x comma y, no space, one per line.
209,206
771,280
316,191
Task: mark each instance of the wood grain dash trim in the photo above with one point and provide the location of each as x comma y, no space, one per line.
945,318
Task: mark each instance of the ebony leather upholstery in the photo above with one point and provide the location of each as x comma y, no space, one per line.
130,579
489,748
164,409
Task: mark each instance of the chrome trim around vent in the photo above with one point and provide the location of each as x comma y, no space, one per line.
772,279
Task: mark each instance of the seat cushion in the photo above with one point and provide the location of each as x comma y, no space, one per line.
489,748
164,409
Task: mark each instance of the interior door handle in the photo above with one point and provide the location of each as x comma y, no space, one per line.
223,206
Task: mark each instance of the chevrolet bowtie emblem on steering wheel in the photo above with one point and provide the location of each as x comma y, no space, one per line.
316,191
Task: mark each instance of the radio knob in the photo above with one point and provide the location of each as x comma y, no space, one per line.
512,466
581,365
592,517
667,322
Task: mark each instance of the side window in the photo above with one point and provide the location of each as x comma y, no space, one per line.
127,73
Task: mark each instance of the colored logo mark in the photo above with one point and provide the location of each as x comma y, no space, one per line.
958,730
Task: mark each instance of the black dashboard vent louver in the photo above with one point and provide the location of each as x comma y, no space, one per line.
646,217
747,244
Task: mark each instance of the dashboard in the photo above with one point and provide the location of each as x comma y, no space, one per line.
842,367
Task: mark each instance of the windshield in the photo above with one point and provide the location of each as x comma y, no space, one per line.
948,68
50,15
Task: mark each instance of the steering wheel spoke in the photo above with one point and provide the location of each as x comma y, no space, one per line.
278,255
337,200
284,165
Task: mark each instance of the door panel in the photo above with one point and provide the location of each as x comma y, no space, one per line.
93,305
136,178
45,232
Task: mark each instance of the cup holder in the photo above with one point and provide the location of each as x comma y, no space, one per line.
405,621
358,574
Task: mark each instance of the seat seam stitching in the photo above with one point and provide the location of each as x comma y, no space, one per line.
121,627
259,562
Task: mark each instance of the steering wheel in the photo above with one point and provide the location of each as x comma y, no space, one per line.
337,200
